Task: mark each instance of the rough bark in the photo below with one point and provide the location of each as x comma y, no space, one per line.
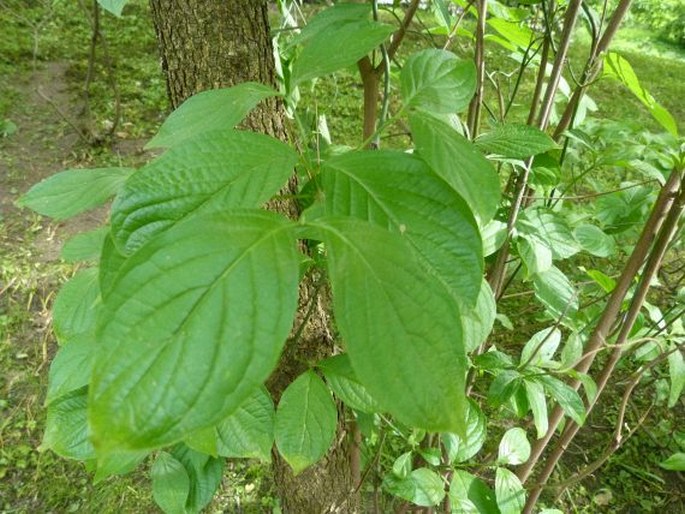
205,44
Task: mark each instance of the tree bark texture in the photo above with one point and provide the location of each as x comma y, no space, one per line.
209,44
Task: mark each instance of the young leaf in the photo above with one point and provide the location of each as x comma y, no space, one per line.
353,40
247,433
66,428
192,326
461,449
75,307
423,487
515,141
675,462
85,246
465,486
398,191
458,163
170,484
514,447
556,293
305,422
511,496
541,347
213,110
594,241
437,81
413,363
222,169
538,405
566,397
342,380
72,192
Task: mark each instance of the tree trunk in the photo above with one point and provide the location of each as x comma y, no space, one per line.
207,44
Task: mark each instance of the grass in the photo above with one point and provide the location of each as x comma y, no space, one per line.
42,31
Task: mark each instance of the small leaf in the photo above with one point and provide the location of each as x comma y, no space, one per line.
605,282
459,163
566,397
71,368
675,462
113,6
556,293
402,465
86,246
75,308
423,487
204,473
213,110
514,447
72,192
676,371
414,363
594,240
538,405
511,496
515,141
477,321
535,254
506,383
173,357
465,486
66,428
342,380
461,449
437,81
549,228
170,484
540,348
306,420
572,351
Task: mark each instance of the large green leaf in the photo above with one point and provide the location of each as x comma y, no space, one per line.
72,192
327,18
567,397
398,191
194,323
342,44
247,433
208,111
401,327
66,427
515,140
458,163
306,420
594,240
227,168
437,81
75,307
170,484
344,383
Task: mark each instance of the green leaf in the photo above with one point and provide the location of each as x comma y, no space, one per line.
594,241
465,486
675,462
413,363
399,192
66,427
71,368
511,496
113,6
342,380
86,246
222,169
477,321
535,254
620,69
515,141
423,487
192,326
459,163
72,192
556,293
538,405
676,372
205,474
567,397
117,464
353,40
75,307
514,447
306,420
111,261
541,347
551,229
572,351
437,81
505,384
209,111
461,449
170,484
402,465
518,34
327,18
605,282
247,433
